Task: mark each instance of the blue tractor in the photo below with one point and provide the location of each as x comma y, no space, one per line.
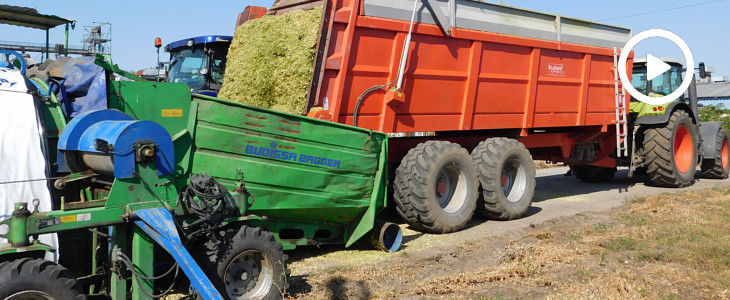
199,62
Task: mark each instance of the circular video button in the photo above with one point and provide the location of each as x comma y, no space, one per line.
655,66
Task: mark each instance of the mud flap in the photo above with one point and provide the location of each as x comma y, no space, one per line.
708,134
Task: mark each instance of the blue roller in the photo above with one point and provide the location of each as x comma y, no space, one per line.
113,133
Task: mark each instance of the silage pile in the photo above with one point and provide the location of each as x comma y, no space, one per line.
270,61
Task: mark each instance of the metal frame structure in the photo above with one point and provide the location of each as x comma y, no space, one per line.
29,17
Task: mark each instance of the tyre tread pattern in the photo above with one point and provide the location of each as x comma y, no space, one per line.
51,278
712,168
409,187
487,156
658,152
219,251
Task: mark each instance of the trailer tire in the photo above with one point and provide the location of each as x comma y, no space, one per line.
718,166
239,257
28,278
507,177
588,173
670,152
436,187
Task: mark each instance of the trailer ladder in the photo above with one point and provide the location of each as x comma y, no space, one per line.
622,140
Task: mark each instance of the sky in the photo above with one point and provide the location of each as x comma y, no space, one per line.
703,24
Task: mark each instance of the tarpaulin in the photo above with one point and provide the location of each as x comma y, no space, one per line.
83,87
22,156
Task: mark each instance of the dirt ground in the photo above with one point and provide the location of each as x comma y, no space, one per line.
668,246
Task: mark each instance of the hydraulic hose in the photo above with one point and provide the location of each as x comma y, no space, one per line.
362,96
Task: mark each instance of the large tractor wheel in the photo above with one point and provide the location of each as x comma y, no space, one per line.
718,166
28,278
248,264
670,152
436,187
589,173
507,177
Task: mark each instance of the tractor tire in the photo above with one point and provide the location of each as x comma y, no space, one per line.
718,166
594,174
670,152
507,178
436,187
28,278
246,263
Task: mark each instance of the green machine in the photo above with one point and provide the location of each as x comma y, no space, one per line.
165,181
667,142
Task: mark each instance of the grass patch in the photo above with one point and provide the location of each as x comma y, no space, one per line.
602,227
620,243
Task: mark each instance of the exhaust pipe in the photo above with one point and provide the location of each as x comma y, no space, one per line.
387,236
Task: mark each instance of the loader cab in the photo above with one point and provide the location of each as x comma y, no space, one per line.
663,84
199,62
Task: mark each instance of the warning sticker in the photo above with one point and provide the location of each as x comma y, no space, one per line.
68,219
172,113
75,218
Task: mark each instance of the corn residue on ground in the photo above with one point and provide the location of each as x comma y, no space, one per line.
669,246
270,60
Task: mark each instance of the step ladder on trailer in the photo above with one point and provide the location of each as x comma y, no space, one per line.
622,141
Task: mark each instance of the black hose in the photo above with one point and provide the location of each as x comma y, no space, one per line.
362,96
209,208
127,262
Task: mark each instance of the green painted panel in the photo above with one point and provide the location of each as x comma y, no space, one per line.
167,104
259,120
295,168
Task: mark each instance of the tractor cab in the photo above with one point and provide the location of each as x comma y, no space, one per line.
199,62
659,86
663,84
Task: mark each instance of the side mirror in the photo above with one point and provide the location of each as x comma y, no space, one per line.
703,71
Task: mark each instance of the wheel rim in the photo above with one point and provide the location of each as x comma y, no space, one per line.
451,188
724,154
249,275
683,152
513,180
30,295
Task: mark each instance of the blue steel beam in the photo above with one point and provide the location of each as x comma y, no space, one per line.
159,225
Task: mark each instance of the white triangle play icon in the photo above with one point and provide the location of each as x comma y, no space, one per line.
655,67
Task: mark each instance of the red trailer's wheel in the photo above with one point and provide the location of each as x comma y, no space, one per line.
670,152
718,166
28,278
507,177
436,187
248,263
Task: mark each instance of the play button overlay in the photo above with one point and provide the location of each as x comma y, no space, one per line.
655,66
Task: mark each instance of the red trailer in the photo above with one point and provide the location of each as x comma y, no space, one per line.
469,92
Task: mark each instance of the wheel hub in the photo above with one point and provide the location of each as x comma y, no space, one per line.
724,155
513,180
451,188
248,276
30,295
683,149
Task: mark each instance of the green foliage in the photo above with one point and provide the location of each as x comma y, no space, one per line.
270,61
716,113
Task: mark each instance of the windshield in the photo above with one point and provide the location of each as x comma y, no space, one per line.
638,79
661,85
218,55
186,67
